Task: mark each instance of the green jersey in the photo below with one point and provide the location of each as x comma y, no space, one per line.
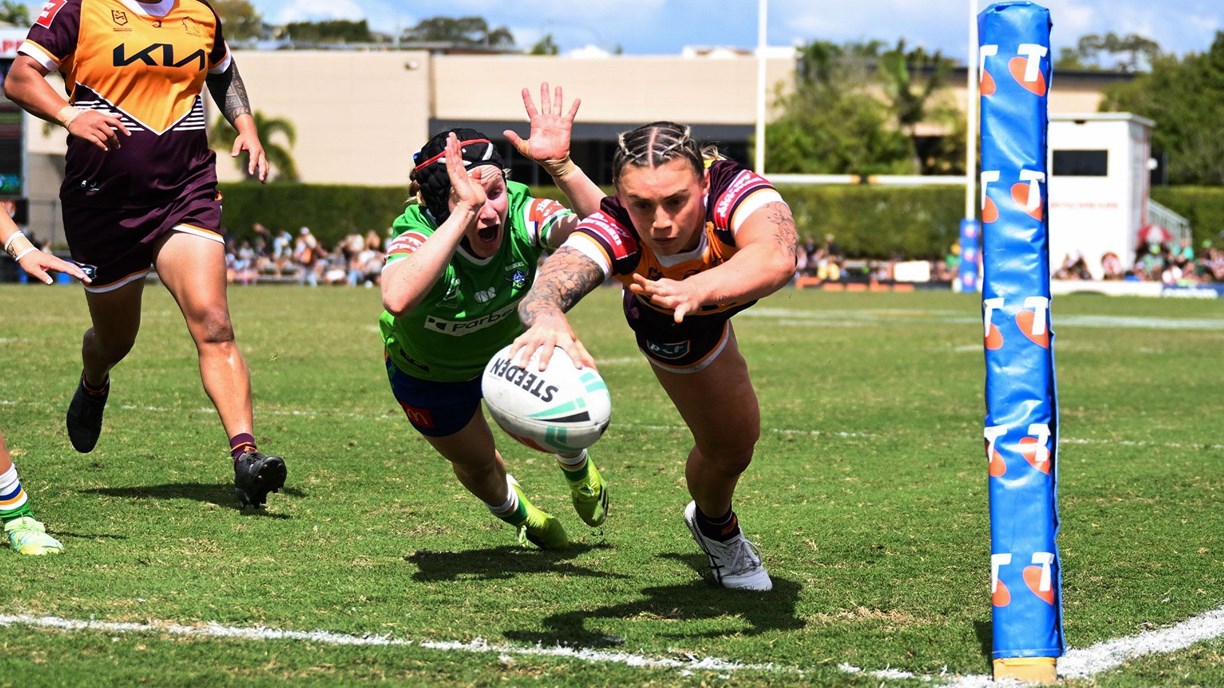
472,310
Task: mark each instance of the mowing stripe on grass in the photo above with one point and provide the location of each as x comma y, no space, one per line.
1090,661
856,318
215,631
313,413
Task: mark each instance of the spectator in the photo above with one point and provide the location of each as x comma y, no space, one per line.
1111,266
282,252
307,255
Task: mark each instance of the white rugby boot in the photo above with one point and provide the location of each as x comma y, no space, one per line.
735,564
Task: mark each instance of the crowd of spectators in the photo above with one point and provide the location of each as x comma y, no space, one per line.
282,257
1170,265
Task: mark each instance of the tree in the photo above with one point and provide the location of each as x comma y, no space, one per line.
910,98
1130,53
332,31
240,20
831,123
222,137
14,13
1183,97
473,31
545,46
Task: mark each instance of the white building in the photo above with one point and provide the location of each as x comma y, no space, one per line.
1099,191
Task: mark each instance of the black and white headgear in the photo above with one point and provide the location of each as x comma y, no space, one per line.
429,166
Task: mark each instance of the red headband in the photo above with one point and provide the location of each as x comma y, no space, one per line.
441,155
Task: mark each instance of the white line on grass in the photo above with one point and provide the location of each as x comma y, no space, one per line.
1090,661
1076,663
215,630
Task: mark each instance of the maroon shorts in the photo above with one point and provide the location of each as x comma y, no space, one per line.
119,242
685,347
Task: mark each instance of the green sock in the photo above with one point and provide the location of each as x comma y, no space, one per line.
23,510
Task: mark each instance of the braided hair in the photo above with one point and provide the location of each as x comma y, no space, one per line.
659,143
429,183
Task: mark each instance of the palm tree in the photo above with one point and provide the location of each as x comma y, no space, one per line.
222,136
910,98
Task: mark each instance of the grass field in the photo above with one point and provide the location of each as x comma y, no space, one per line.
867,497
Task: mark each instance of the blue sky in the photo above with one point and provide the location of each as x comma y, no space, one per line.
644,27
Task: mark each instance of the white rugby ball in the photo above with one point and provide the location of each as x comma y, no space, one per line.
560,409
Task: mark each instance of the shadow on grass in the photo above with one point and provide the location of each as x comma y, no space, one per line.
686,602
221,494
985,635
499,563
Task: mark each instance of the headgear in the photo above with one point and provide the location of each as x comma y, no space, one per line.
429,166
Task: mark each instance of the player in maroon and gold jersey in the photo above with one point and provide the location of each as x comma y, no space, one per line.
694,239
140,190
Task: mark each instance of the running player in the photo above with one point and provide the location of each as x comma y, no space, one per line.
25,534
140,191
695,240
465,254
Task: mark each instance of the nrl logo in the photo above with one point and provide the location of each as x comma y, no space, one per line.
119,17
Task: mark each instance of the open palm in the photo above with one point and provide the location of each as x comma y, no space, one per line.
550,129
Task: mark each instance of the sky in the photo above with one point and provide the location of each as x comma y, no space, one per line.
665,27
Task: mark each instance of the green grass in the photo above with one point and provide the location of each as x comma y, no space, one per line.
867,497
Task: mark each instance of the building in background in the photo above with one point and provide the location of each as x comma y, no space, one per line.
359,114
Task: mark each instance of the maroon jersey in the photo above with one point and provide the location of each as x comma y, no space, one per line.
146,65
609,238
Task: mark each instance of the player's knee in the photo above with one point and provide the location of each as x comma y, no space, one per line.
730,458
112,348
213,326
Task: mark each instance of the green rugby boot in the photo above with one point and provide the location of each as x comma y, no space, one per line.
589,494
27,536
537,527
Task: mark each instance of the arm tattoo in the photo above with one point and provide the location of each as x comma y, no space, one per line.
785,234
229,92
566,277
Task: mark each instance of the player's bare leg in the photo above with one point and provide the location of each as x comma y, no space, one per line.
482,471
193,270
719,405
116,321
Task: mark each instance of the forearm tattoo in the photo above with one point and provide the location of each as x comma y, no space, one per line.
566,277
229,92
785,234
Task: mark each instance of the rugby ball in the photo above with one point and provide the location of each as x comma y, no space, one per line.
560,409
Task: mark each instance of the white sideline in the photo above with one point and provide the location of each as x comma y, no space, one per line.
1076,663
214,630
1089,661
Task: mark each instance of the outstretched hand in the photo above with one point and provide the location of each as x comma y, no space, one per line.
680,296
550,130
549,332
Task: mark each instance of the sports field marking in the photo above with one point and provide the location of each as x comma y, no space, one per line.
1076,663
1089,661
215,631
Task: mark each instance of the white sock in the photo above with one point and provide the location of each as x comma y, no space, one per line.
574,462
509,506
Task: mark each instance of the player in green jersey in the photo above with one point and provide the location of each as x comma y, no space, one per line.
465,254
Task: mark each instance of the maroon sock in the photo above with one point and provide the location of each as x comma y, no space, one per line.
722,528
99,391
240,444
